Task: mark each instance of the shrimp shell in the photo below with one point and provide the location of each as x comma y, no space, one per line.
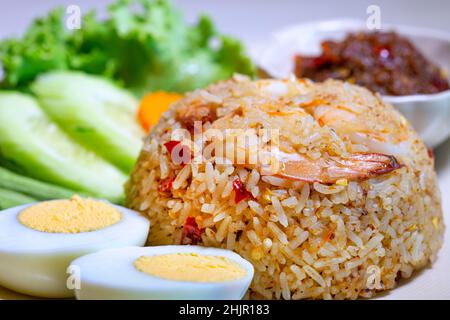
358,166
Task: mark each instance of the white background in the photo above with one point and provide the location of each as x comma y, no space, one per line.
253,20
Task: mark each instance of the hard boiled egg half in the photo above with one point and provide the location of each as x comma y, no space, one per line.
163,272
38,241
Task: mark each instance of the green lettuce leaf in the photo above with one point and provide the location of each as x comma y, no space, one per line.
143,45
41,49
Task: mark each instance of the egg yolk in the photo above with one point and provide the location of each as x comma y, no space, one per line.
69,216
190,267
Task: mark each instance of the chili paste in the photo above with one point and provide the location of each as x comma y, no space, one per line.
383,62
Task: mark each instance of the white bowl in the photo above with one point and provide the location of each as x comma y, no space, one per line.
428,113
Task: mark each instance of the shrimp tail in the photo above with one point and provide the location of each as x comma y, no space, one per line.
358,166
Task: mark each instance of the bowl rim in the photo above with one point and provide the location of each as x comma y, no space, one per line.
344,24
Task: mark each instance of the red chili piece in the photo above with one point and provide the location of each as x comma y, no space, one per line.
240,193
430,153
180,155
171,144
191,233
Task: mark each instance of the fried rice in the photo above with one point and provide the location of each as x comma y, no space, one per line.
309,232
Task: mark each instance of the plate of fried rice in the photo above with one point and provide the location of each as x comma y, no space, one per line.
372,227
327,190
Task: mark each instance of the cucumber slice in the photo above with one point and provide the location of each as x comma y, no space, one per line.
30,140
9,199
93,111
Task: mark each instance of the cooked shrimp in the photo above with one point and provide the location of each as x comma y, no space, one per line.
330,170
361,122
359,119
339,116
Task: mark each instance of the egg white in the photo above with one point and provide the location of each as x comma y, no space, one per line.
35,263
110,274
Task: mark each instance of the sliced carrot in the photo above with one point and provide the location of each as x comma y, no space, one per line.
153,105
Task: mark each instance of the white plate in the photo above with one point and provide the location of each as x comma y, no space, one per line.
433,282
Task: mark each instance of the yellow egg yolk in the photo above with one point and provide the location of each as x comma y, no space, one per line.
190,267
69,216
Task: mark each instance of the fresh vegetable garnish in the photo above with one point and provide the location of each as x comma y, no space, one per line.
34,188
82,133
191,233
148,49
153,105
9,199
240,193
42,150
94,112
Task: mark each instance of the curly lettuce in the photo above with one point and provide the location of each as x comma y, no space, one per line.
143,45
